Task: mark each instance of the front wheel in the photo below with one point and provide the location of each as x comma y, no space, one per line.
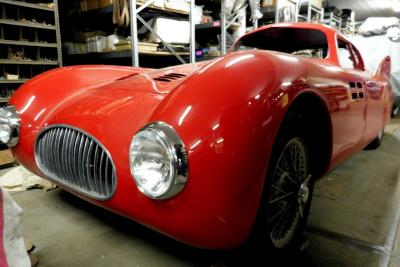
286,200
290,194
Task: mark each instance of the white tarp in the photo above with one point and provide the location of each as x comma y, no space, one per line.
20,179
380,39
12,247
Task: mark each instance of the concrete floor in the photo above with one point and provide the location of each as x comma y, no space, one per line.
354,221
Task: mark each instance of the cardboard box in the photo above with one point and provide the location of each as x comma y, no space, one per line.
267,3
96,44
104,3
171,31
317,3
87,5
111,41
81,37
143,47
6,157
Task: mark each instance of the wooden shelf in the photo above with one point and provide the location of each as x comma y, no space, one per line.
4,99
163,53
215,25
28,62
14,81
165,9
26,43
126,53
109,10
27,24
25,4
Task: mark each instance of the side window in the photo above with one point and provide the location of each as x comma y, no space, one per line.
357,58
345,55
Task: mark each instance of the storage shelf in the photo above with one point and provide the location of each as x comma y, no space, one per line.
26,43
25,4
14,81
126,53
215,25
165,9
27,24
27,62
109,9
4,99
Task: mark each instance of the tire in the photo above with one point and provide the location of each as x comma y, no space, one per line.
376,142
395,111
287,195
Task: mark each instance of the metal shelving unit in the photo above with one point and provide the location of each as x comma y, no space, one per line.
311,10
26,4
227,23
27,24
134,32
332,20
133,54
30,42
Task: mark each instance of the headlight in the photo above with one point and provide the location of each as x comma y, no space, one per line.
9,125
158,161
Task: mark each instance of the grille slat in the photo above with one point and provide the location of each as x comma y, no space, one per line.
76,160
68,154
88,174
71,157
95,168
51,152
102,180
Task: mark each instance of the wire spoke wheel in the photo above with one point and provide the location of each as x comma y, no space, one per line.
289,193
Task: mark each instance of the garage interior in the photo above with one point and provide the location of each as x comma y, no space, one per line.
355,213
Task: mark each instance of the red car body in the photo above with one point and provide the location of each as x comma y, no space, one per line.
227,111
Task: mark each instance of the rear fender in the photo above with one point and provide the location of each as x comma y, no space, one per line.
227,115
384,68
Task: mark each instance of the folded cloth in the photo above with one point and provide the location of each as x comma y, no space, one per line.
12,246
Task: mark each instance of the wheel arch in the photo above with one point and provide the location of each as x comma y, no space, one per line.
312,112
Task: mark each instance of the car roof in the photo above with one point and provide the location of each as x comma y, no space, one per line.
328,30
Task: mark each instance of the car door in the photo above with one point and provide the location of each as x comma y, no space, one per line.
353,121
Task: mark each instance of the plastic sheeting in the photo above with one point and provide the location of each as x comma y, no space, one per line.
374,48
20,179
12,246
377,25
232,6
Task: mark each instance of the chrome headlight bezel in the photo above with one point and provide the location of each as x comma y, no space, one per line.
10,117
165,135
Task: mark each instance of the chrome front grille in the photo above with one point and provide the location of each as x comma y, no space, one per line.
76,160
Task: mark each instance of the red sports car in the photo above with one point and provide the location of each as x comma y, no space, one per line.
206,153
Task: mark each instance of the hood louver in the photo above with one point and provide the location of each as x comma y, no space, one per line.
170,77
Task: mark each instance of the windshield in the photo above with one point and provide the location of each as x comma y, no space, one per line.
303,42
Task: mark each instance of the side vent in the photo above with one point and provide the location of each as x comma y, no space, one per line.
171,77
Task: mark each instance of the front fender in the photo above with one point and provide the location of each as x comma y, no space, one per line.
228,115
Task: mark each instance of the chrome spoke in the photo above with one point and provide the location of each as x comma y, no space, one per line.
281,197
277,214
277,224
278,189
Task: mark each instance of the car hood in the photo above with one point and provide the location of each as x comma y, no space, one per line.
160,81
108,104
